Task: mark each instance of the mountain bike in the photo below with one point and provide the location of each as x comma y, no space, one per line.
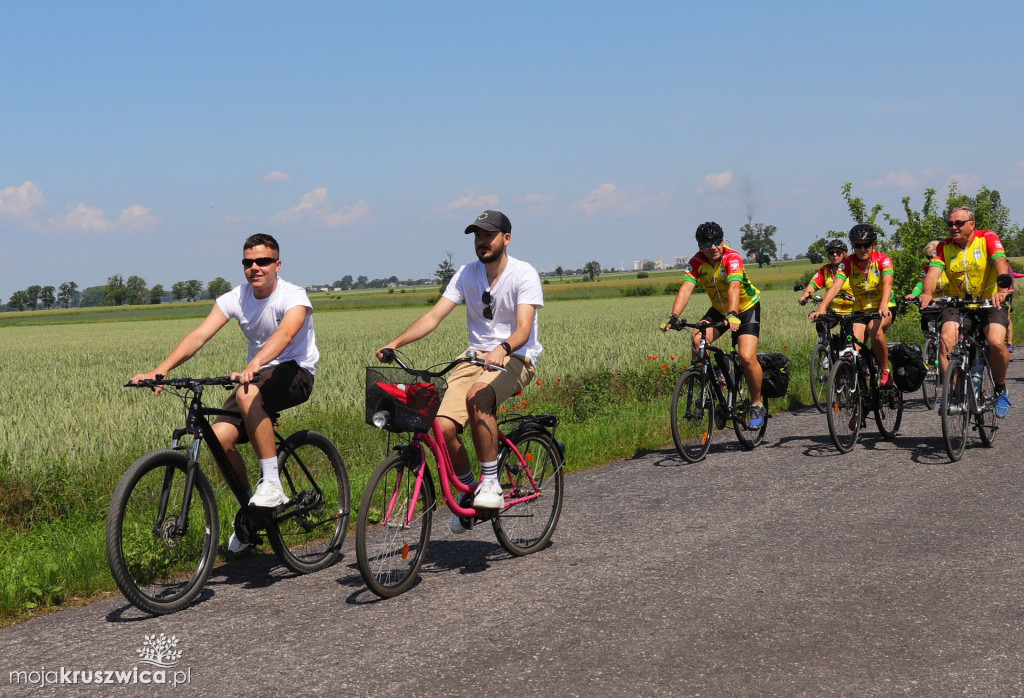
706,396
930,352
163,523
854,390
825,352
968,386
394,523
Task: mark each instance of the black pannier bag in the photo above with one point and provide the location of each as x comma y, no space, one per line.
907,366
775,368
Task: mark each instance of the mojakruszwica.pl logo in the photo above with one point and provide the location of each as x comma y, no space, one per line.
159,656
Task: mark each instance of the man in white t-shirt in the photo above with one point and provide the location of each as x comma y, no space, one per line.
277,319
502,295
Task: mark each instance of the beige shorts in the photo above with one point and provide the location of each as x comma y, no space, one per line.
518,373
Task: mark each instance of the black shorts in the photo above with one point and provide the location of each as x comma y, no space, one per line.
750,319
282,386
986,317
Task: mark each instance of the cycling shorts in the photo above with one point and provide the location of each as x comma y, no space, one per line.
750,319
281,386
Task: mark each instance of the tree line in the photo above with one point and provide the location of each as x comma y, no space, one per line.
117,291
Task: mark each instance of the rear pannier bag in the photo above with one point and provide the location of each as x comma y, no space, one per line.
775,368
907,366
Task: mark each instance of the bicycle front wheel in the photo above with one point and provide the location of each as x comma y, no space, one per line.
844,409
985,401
693,416
821,364
159,560
307,535
749,436
932,379
956,409
393,527
532,486
889,410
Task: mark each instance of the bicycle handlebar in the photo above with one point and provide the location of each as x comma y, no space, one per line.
190,383
470,358
704,326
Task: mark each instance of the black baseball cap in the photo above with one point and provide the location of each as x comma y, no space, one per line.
492,222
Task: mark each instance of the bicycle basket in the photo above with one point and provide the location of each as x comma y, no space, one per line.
408,399
775,375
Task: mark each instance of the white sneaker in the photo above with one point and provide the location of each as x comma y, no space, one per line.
489,496
465,501
269,495
235,544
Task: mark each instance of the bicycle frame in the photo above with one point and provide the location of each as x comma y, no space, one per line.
969,346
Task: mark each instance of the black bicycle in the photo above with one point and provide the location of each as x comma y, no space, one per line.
968,386
930,353
707,396
854,389
163,524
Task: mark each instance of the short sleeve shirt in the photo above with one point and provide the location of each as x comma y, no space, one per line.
866,280
259,318
518,284
824,279
971,270
715,278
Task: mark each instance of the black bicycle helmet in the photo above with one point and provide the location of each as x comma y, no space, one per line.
706,232
837,244
863,232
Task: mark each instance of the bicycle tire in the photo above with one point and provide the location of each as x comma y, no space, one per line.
307,536
932,379
985,417
889,410
845,407
692,416
821,366
157,571
748,437
527,526
955,409
390,548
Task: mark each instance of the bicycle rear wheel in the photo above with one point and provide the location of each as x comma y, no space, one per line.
985,419
821,365
956,410
693,416
157,568
527,526
932,379
889,410
749,436
393,527
308,534
845,407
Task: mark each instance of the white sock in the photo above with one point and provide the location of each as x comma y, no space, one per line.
269,468
467,478
489,471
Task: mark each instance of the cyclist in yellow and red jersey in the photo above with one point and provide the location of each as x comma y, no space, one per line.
976,264
870,275
941,286
719,270
836,253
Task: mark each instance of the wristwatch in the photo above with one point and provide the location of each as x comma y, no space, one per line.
507,347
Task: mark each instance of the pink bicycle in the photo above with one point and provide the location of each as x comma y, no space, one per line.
397,506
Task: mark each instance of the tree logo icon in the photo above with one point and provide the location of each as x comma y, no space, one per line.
160,651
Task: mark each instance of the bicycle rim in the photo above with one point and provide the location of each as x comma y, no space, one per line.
821,365
844,406
932,380
533,493
308,534
156,568
889,411
393,528
955,409
749,437
692,414
985,419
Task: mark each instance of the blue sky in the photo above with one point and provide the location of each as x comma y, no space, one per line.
152,138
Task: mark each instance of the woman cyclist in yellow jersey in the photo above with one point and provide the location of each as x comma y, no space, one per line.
870,274
836,253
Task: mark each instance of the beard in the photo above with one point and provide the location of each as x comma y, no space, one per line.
487,256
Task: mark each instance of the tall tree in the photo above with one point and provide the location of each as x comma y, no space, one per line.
445,271
136,292
156,294
32,296
816,251
67,293
179,290
591,270
218,287
19,300
47,297
757,241
193,289
116,290
559,272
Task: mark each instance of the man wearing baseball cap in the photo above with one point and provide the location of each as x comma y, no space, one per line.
502,295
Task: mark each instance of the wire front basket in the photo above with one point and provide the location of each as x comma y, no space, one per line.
399,400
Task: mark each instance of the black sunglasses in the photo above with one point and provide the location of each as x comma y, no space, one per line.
260,262
707,244
956,224
486,298
837,252
862,245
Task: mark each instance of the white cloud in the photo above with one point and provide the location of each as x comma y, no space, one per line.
965,182
276,176
316,206
82,218
610,200
898,180
716,181
19,201
137,217
477,202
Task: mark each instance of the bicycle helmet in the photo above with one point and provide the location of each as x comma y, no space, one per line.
863,232
837,244
706,232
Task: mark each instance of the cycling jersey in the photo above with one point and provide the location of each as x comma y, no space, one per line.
940,286
823,280
971,270
715,279
866,280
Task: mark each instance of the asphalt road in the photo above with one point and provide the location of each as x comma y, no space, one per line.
789,570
